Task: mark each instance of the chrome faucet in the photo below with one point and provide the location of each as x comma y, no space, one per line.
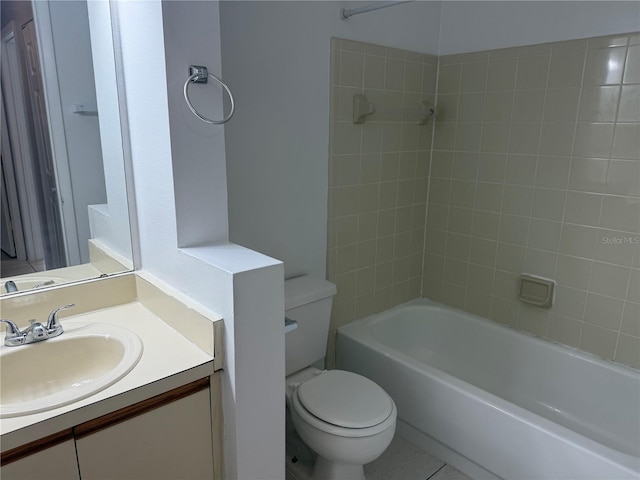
36,331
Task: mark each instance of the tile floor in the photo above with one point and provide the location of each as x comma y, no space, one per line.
404,461
10,267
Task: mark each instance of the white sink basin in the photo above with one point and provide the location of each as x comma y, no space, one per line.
30,282
84,360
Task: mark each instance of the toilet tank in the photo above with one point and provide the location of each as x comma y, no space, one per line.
307,300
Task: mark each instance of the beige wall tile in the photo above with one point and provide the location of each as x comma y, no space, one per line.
498,106
548,204
492,167
502,74
483,252
570,302
628,351
578,240
489,196
544,235
583,208
462,193
412,77
394,74
561,104
471,107
468,137
455,272
495,137
540,263
565,69
465,166
533,320
517,200
570,46
599,341
604,66
631,319
460,220
573,272
351,69
593,140
564,330
528,106
486,225
600,104
552,172
473,77
603,311
480,279
532,72
623,178
633,292
510,258
611,280
621,213
478,303
608,41
534,50
504,311
632,68
557,139
524,138
458,247
626,142
449,78
615,247
505,286
588,174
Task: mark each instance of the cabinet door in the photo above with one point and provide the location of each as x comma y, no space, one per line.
170,442
54,463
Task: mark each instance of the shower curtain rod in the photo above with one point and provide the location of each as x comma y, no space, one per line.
349,12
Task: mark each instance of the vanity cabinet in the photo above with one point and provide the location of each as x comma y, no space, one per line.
52,463
173,441
165,437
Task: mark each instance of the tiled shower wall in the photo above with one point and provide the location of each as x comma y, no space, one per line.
377,179
536,169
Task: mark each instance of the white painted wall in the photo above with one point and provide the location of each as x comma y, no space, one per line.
276,60
477,25
115,231
192,30
244,287
70,28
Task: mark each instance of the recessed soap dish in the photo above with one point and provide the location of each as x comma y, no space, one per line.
536,291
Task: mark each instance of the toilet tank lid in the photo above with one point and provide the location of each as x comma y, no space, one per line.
306,289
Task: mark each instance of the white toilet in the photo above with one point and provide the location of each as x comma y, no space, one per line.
345,418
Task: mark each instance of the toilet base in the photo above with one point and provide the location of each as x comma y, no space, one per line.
326,470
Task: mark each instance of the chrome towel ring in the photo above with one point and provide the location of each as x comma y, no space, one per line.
200,74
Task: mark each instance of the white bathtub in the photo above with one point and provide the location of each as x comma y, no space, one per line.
514,405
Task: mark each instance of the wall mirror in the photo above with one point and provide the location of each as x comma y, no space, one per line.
64,199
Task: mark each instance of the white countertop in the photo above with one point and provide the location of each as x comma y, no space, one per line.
168,361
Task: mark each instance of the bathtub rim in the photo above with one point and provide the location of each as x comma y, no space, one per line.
360,331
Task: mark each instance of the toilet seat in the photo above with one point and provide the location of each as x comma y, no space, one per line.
344,404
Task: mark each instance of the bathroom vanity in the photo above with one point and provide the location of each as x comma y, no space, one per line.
160,420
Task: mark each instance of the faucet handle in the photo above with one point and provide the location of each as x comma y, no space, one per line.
52,321
12,329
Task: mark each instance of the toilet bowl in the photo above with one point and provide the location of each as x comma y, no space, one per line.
345,418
